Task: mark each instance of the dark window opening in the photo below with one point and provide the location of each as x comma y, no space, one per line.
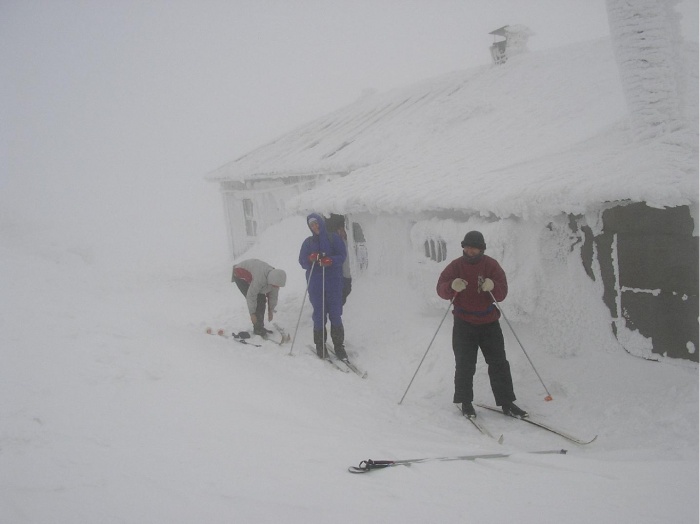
251,225
435,250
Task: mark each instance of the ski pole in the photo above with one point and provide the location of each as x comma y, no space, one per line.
369,464
302,308
429,345
549,396
323,307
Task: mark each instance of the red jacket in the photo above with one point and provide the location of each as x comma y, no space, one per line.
472,305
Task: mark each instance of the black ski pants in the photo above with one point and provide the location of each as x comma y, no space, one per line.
466,340
262,300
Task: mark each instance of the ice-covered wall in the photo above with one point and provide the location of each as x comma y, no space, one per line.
572,277
548,285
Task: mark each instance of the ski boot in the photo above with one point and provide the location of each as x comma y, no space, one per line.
320,344
514,411
338,338
259,329
468,410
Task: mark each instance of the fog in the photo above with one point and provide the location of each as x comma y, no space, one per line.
113,111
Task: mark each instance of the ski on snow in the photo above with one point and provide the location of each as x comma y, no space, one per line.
369,465
352,367
331,360
331,357
285,337
542,425
236,337
478,425
336,362
244,339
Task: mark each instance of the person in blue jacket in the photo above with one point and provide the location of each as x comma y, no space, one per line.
322,256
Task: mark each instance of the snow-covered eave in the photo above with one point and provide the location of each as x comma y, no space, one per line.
528,205
317,171
661,172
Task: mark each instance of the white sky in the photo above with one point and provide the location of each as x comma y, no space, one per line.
99,98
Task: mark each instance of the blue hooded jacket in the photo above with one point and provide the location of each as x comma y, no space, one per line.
326,244
329,245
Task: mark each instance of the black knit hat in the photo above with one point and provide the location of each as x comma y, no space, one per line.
474,239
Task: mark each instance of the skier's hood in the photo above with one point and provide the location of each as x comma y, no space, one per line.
277,277
321,223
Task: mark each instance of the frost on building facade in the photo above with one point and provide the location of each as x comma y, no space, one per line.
254,201
578,186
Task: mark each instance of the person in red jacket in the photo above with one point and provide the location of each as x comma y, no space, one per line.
475,280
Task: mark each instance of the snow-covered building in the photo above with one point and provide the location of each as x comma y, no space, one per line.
576,163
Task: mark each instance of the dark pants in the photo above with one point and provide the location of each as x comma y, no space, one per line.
331,303
347,288
466,340
262,300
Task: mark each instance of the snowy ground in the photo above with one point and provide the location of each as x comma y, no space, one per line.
117,407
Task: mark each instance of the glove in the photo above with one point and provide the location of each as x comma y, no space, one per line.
459,284
487,285
314,257
326,261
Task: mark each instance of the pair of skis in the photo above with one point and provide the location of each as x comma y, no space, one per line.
529,420
344,365
370,465
244,337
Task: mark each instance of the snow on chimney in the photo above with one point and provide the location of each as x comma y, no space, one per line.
513,41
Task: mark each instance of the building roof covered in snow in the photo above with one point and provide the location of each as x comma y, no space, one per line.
544,133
